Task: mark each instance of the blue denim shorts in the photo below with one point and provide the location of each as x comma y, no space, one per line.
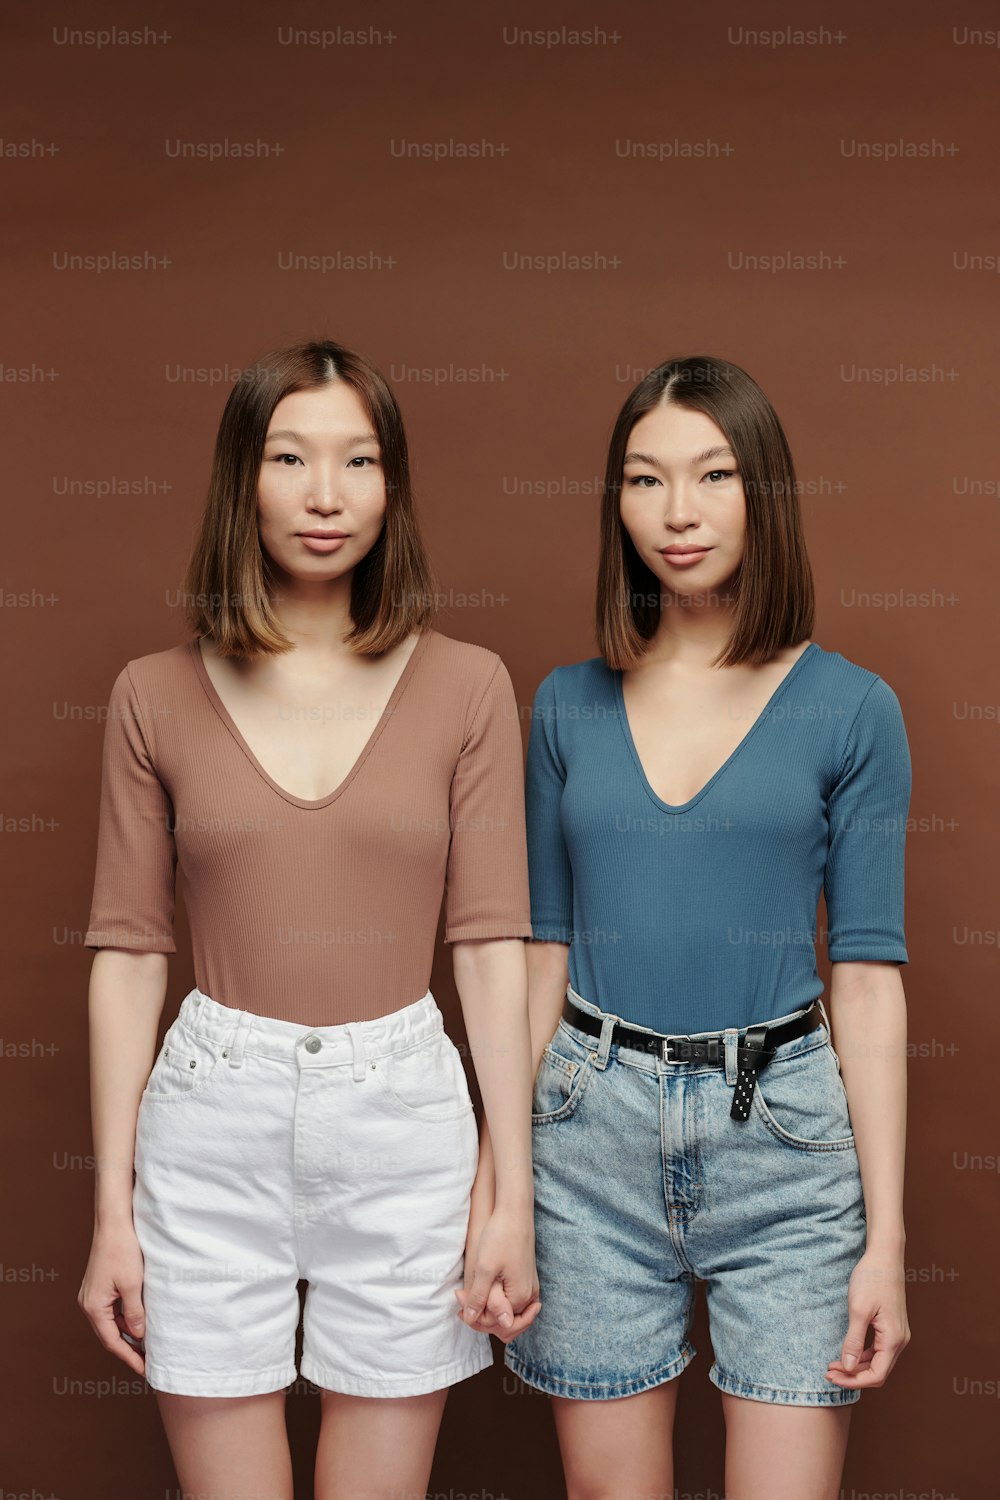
644,1185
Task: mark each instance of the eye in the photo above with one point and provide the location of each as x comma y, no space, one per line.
644,481
362,459
720,473
279,458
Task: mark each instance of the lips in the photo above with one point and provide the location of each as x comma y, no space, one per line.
682,551
323,536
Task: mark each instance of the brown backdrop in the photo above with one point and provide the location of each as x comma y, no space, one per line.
816,207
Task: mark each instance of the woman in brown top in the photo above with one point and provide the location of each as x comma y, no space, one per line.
323,766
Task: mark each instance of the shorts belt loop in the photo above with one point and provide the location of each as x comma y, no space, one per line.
239,1040
829,1029
730,1038
604,1046
197,1006
358,1053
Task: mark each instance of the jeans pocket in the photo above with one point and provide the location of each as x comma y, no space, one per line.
559,1083
185,1065
802,1101
427,1081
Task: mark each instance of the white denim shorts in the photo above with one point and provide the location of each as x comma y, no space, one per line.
268,1152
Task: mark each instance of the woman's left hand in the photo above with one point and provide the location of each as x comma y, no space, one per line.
876,1296
500,1292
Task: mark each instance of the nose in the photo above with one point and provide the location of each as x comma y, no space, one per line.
325,489
679,509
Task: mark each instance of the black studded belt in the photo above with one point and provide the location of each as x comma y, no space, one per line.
755,1046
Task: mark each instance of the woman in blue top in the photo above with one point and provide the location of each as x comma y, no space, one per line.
690,792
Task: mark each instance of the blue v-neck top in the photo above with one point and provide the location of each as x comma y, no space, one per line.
702,915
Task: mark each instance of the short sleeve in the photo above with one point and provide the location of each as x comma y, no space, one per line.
486,882
867,810
133,898
549,869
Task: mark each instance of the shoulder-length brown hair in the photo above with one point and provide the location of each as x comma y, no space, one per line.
773,587
230,576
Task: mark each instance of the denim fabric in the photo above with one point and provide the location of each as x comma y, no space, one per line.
645,1185
269,1152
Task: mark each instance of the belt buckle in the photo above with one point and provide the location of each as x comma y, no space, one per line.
714,1051
665,1048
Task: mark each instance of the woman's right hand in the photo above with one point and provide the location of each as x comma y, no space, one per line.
114,1271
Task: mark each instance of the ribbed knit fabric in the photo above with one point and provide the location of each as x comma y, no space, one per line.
702,915
317,912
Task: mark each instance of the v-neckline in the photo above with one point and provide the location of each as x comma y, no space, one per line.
680,807
198,662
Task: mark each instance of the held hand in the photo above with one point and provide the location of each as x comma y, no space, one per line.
876,1295
500,1294
481,1205
114,1271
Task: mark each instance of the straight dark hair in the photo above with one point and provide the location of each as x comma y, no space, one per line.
773,586
229,577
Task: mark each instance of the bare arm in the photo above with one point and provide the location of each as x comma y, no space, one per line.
868,1016
501,1283
548,975
127,991
492,985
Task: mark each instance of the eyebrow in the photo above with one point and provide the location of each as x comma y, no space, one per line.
286,432
700,458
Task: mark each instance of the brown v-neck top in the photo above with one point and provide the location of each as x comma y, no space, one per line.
313,911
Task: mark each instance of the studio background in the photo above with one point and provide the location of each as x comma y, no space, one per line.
514,229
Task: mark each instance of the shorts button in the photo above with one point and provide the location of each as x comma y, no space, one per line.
313,1044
